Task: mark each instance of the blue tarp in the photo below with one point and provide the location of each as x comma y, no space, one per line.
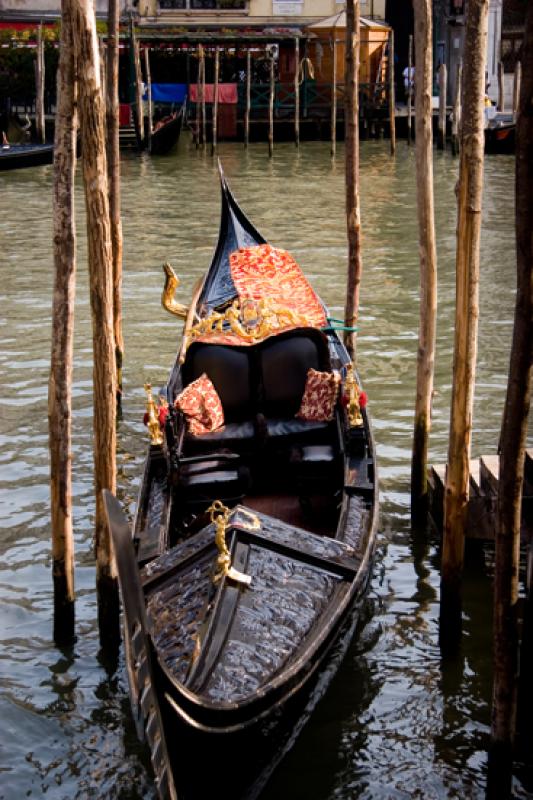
168,92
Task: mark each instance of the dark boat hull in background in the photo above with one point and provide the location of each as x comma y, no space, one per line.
20,156
167,136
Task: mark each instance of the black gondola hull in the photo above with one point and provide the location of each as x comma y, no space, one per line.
21,156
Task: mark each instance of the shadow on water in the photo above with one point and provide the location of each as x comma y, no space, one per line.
397,722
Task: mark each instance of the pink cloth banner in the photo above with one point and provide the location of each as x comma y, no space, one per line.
227,93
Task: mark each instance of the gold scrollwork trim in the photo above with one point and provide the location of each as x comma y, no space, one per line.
249,320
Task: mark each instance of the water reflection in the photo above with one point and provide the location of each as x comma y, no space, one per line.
397,723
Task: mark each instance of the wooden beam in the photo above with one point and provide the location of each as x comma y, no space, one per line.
470,188
334,97
61,363
456,114
512,458
428,258
351,136
215,102
443,88
410,91
100,261
248,97
39,85
392,95
113,173
296,91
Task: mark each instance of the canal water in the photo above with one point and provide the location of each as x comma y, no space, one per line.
398,721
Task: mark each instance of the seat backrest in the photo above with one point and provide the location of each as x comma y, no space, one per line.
229,370
284,362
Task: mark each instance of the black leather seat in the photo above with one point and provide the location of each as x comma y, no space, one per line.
203,480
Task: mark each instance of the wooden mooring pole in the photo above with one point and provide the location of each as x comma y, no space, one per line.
100,260
470,186
139,115
410,91
148,74
297,91
113,173
215,102
39,86
60,384
353,210
501,87
334,97
443,89
428,257
248,97
511,475
516,87
202,101
456,114
271,109
392,95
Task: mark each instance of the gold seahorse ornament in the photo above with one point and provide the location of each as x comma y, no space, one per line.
168,300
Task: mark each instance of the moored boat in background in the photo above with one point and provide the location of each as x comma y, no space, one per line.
256,524
18,156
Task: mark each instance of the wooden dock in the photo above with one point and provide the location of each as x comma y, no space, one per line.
483,498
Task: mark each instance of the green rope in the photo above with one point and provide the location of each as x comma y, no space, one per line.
339,328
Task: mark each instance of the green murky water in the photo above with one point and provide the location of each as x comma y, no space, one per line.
396,722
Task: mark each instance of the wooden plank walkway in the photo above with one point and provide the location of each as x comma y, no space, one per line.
482,504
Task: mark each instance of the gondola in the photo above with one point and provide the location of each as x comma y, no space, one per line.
245,572
17,156
500,134
166,133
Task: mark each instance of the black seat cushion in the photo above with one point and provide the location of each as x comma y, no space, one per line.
238,436
229,370
297,429
285,361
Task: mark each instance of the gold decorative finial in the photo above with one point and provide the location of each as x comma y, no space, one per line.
355,418
154,428
167,298
220,515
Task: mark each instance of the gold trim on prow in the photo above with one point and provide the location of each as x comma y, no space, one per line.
167,298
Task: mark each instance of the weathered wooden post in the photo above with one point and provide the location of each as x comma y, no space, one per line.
456,115
139,115
248,97
148,97
516,87
501,87
113,174
334,97
60,384
100,259
215,102
443,89
297,91
410,91
513,442
39,86
202,100
470,186
271,108
198,94
392,95
428,256
353,210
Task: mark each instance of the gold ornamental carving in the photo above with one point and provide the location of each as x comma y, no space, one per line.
250,320
353,409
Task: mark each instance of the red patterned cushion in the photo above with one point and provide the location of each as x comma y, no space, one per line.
201,405
320,396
